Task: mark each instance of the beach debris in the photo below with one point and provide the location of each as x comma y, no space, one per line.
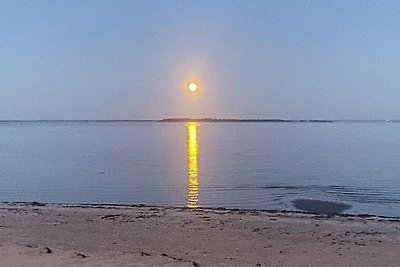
46,250
111,216
359,244
172,257
367,233
36,204
80,255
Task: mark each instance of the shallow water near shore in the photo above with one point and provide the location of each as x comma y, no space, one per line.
232,165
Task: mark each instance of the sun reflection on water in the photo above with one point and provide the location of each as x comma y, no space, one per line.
193,198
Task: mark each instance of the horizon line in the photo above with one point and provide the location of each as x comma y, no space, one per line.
180,119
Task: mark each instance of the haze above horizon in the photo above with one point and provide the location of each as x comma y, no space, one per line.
259,59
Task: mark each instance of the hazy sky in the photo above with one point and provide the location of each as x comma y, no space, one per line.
131,59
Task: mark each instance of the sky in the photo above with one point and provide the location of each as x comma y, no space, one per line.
252,59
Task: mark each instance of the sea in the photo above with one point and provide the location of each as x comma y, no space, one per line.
241,165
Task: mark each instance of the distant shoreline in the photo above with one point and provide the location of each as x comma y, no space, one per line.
213,120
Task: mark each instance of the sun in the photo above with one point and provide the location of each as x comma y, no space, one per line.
192,87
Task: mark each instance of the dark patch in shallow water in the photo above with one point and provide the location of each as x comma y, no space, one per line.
319,206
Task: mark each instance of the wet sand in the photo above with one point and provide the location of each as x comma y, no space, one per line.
109,235
320,207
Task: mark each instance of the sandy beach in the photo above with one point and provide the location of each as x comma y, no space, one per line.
34,234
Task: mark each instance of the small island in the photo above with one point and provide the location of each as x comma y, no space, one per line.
236,120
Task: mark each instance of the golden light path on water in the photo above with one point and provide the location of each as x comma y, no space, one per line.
193,198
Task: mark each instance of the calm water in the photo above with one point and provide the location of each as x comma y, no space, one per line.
236,165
